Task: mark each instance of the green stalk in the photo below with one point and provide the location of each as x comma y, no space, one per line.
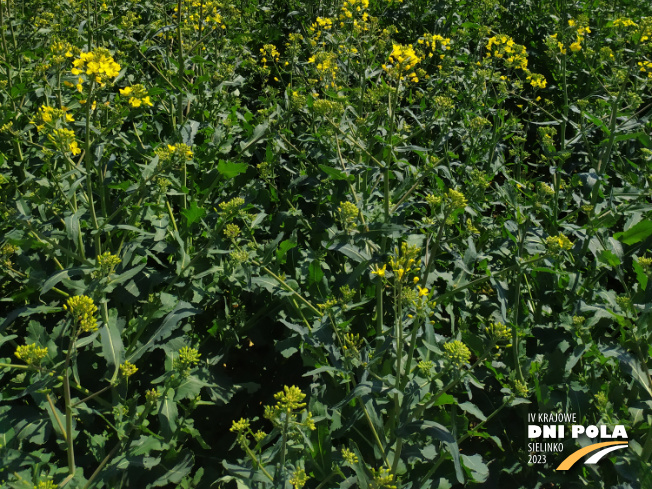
89,31
254,459
373,431
89,172
5,51
182,68
56,417
68,405
281,471
290,289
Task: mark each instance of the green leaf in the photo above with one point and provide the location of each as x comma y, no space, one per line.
258,134
444,399
182,466
181,311
283,248
62,275
636,233
478,469
351,251
315,273
112,346
608,257
193,214
334,173
189,131
230,169
474,410
641,276
27,311
167,414
630,365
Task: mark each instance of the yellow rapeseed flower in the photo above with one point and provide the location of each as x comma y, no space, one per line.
31,354
82,309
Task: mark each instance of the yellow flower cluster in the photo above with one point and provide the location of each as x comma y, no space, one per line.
624,22
355,10
47,115
269,50
456,199
457,352
204,14
46,485
240,426
98,64
403,59
383,478
299,478
169,152
348,212
152,395
558,243
137,95
500,331
127,369
537,80
232,231
646,67
82,309
320,24
503,47
188,359
326,64
64,140
404,262
61,50
31,354
288,406
515,56
349,456
560,45
232,206
106,262
434,42
581,29
521,389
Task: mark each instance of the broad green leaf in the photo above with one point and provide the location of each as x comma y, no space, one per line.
230,169
258,134
193,213
62,275
176,470
474,410
315,273
608,257
334,173
636,233
167,414
630,365
112,346
641,275
169,324
283,248
479,470
189,131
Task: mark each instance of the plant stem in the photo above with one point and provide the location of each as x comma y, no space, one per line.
56,417
68,405
182,68
89,172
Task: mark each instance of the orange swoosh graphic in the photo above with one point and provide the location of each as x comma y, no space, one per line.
575,456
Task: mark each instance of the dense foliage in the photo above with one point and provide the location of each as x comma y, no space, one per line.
345,243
